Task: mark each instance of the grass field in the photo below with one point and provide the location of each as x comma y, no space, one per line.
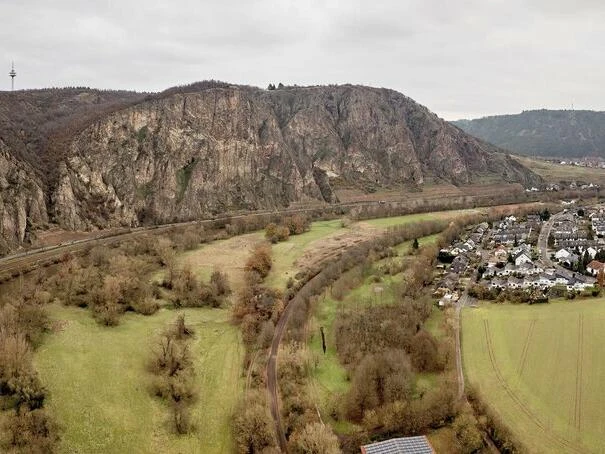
554,173
286,253
227,255
98,385
419,217
542,368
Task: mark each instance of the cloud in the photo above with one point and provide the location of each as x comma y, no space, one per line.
464,58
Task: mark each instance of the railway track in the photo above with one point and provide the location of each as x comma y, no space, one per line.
15,264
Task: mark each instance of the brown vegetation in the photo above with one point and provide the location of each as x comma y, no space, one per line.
379,379
260,261
253,428
112,280
25,427
172,367
494,426
27,432
314,438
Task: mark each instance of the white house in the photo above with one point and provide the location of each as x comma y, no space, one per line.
592,252
489,272
521,258
577,286
561,280
507,270
497,283
562,254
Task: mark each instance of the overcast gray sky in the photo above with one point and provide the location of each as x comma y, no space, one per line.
462,59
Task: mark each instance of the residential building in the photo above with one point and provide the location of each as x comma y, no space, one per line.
522,257
595,267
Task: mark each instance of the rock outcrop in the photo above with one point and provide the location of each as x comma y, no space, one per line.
22,204
194,154
196,151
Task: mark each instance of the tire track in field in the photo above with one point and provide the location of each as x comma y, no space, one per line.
526,348
557,439
577,417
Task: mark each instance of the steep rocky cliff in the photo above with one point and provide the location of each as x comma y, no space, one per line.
22,204
193,154
209,148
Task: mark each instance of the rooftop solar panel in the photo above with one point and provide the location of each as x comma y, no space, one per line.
407,445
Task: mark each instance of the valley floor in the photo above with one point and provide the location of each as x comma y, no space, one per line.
97,378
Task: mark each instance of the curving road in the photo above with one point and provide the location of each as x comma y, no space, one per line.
543,241
545,258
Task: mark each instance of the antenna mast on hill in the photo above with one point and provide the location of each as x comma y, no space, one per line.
12,74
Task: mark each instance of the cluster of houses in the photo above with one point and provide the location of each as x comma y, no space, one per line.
575,236
587,161
465,252
573,231
505,258
516,268
511,232
521,272
544,280
597,222
569,257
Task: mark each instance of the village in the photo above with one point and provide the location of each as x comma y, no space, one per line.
528,259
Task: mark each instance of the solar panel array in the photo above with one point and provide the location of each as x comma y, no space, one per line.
407,445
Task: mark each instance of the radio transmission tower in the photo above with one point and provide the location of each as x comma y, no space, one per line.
12,74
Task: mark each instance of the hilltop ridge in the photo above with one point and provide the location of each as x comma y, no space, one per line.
94,159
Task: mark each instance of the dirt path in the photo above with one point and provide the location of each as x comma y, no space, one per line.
328,248
332,246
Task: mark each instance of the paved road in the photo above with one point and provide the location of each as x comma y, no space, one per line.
545,257
543,242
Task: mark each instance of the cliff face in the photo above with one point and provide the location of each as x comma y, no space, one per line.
193,154
22,204
89,159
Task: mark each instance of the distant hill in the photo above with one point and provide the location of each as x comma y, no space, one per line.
550,133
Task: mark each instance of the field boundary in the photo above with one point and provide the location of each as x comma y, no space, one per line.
557,439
